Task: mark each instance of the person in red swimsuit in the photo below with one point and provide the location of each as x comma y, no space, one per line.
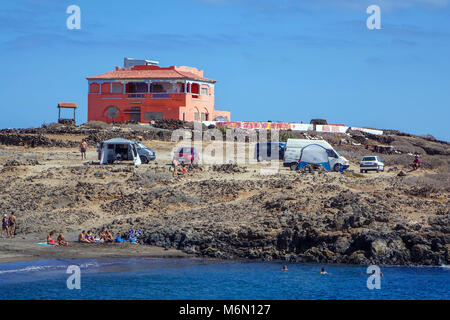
50,240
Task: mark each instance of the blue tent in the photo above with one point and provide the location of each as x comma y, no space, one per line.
314,154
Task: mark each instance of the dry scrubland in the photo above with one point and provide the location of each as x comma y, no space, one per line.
226,211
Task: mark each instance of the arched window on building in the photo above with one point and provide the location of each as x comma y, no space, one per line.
112,112
196,114
205,115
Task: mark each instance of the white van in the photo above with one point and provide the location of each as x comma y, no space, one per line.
294,148
118,149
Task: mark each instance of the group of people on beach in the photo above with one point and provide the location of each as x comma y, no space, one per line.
84,237
9,225
87,237
60,241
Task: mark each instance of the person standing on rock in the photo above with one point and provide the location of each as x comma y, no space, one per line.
12,225
174,166
83,149
5,225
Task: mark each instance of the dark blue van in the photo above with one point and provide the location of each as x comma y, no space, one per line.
269,151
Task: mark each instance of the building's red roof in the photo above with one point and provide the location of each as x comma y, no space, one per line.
149,72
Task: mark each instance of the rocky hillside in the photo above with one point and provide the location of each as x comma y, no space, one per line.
234,211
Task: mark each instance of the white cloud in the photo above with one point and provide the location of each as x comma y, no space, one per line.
350,4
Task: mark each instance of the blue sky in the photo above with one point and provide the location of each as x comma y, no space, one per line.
273,60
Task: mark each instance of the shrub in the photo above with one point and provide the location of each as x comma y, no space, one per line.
96,125
223,130
285,135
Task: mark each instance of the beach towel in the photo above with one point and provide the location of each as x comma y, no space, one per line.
46,244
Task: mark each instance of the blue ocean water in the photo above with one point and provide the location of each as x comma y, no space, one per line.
144,278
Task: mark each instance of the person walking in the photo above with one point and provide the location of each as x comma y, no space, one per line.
83,149
175,167
12,225
5,228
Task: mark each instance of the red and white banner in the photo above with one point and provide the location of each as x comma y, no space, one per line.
331,128
261,125
248,125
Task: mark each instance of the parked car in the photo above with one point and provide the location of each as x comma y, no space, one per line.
186,155
269,151
369,163
145,153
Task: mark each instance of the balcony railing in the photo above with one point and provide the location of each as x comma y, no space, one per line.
160,95
136,95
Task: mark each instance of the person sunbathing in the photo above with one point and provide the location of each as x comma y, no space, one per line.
101,235
82,237
61,241
50,240
107,235
90,237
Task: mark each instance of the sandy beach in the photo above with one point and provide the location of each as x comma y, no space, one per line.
26,248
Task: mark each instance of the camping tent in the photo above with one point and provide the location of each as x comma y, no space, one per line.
314,154
118,149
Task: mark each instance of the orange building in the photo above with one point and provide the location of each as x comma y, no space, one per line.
143,91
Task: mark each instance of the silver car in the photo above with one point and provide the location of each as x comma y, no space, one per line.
145,153
369,163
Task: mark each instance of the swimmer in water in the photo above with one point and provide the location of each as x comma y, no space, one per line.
323,271
285,268
374,272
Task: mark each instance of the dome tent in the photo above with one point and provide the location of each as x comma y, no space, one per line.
314,154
